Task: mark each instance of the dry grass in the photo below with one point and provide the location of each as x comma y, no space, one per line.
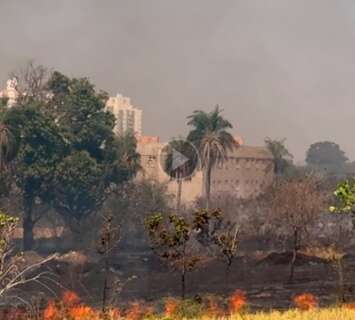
236,308
316,314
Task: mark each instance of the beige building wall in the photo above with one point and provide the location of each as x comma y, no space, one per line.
247,172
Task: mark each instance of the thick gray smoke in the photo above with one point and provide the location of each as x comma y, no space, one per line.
280,68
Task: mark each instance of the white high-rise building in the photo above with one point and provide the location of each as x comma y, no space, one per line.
128,117
10,93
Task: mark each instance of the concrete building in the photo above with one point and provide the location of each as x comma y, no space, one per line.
10,92
128,117
246,173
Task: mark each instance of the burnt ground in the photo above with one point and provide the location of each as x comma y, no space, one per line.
144,277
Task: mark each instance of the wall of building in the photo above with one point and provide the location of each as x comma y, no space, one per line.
246,173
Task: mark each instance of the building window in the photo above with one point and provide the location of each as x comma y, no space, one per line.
151,162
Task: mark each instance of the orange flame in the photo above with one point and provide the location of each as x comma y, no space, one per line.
237,301
115,314
171,305
70,298
51,311
305,301
350,306
134,312
81,312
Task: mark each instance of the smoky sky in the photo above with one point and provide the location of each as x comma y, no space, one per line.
278,68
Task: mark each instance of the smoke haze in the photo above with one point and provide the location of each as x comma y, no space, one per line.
278,68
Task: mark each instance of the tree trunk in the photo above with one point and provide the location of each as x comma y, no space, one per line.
208,185
228,268
179,192
28,225
294,255
183,272
183,284
340,268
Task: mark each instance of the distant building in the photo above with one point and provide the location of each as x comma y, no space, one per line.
128,117
148,139
11,92
246,173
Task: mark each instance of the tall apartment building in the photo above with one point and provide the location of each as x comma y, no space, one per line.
128,117
10,93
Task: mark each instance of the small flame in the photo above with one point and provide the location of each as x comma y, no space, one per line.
51,311
81,312
70,298
237,301
350,306
305,301
134,312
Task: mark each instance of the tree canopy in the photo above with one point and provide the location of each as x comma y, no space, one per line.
327,155
210,134
282,157
65,153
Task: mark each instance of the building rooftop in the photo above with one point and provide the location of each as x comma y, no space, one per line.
251,152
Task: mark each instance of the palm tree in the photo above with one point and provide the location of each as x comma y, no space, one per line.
212,139
184,170
282,157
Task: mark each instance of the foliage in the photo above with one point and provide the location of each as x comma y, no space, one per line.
77,187
97,160
227,241
326,155
80,112
210,135
174,239
345,197
282,157
7,226
40,148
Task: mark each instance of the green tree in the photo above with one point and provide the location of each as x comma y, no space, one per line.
344,197
78,189
326,155
173,239
41,147
80,113
282,157
210,135
97,160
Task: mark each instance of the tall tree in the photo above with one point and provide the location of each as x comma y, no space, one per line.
210,135
326,155
40,149
282,157
97,159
